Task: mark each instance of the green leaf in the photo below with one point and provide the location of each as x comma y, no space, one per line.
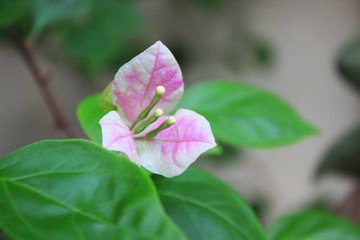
50,12
75,189
348,63
215,151
103,36
246,116
10,11
105,99
313,225
4,237
343,157
89,114
206,208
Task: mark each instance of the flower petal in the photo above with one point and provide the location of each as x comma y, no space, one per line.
135,82
172,151
116,136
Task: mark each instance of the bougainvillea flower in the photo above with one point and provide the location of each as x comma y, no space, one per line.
144,89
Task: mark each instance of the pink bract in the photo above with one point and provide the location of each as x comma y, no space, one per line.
135,82
172,150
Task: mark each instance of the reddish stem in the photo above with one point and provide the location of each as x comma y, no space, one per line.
42,83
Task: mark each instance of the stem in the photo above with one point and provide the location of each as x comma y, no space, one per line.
42,82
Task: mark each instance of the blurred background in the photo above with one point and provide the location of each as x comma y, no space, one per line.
304,51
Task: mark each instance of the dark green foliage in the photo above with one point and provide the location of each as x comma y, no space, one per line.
348,63
343,157
205,208
104,36
95,34
248,52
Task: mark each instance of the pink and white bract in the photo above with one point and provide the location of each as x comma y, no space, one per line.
172,150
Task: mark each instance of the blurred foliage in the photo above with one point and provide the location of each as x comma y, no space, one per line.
343,157
95,34
322,202
224,153
4,237
46,13
260,206
248,52
208,4
181,51
103,37
348,63
10,11
313,225
31,18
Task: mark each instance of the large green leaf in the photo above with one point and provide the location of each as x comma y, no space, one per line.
313,225
246,116
343,157
206,208
348,63
75,189
89,114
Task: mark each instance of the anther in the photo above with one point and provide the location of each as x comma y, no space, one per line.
160,90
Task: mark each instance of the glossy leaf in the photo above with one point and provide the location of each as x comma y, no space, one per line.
348,63
246,116
75,189
343,157
89,114
205,208
313,225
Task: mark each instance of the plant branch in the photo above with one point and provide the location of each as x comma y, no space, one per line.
42,82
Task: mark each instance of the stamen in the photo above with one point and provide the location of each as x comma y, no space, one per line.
159,92
155,116
166,124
